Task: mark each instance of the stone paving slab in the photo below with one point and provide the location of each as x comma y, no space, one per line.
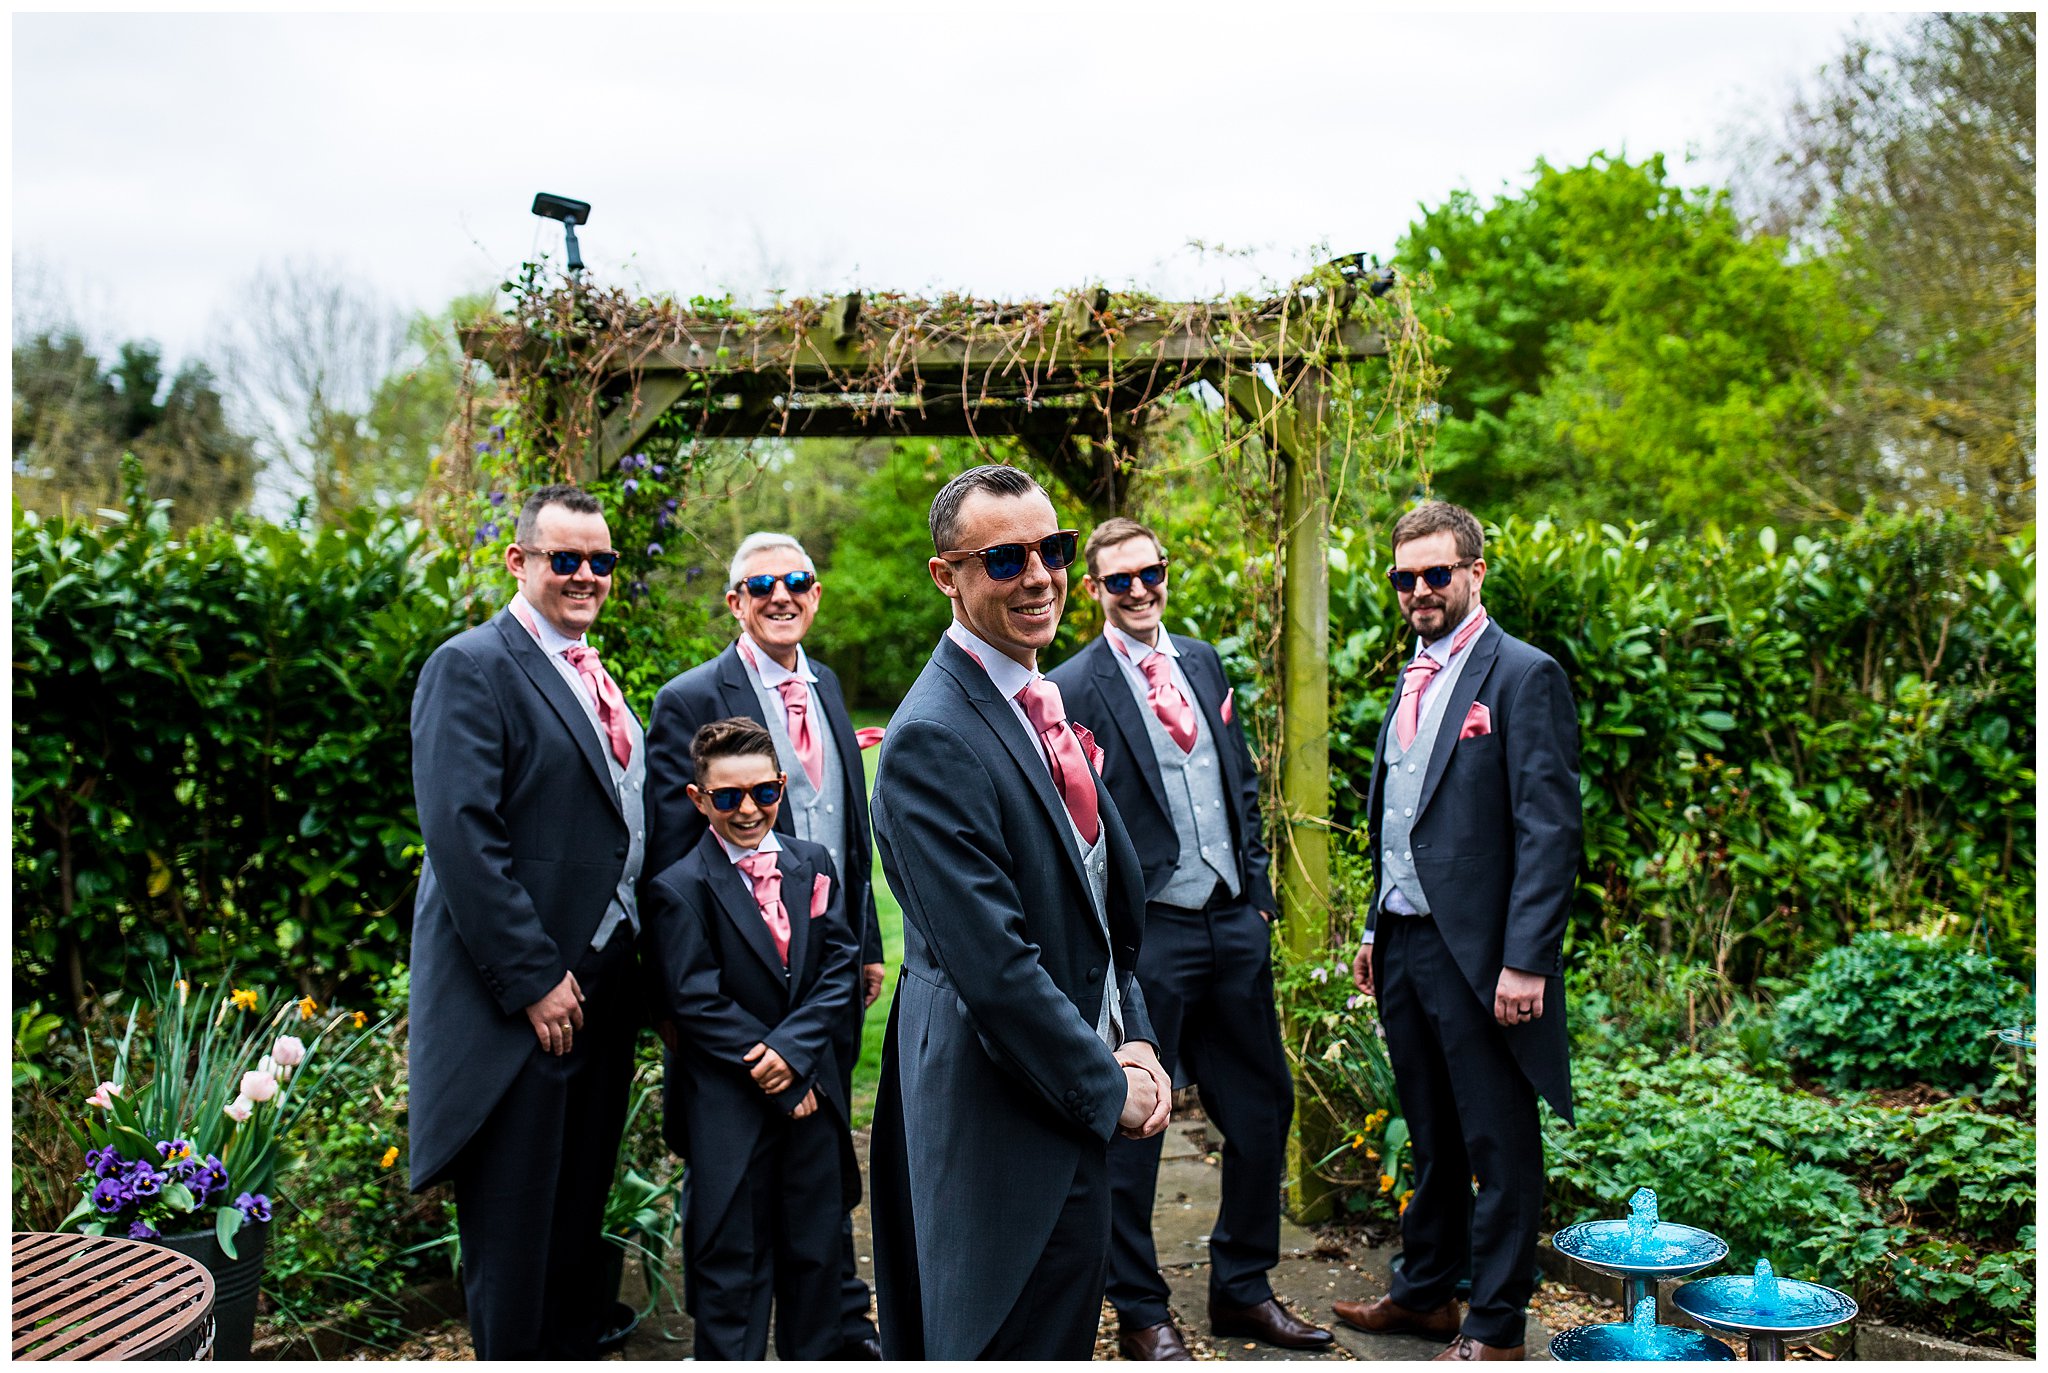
1310,1275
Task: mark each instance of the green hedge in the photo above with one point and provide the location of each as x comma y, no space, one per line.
211,753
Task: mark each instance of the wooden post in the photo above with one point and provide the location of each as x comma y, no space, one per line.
1304,886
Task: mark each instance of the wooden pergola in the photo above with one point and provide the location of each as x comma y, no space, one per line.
1075,381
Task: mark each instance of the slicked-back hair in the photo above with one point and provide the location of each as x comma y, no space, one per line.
994,478
758,541
1117,530
738,737
1441,517
571,498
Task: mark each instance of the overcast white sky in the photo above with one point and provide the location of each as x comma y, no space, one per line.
160,159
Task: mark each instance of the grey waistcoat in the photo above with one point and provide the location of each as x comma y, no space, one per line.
631,780
1195,803
1403,791
1109,1021
817,813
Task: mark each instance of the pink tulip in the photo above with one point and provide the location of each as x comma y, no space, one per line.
238,1109
103,1097
259,1086
288,1052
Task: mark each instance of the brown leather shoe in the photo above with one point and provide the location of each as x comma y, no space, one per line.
1154,1343
1465,1347
1268,1321
1387,1317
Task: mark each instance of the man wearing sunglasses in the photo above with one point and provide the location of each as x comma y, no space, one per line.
1175,760
1475,834
773,592
1018,1040
528,772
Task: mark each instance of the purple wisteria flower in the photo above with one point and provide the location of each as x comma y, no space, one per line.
497,498
498,433
630,485
659,471
141,1230
654,550
254,1208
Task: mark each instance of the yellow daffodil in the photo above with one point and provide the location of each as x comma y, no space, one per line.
1386,1184
1404,1202
307,1005
362,1019
243,997
390,1157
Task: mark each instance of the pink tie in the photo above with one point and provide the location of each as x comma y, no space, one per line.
1164,697
796,703
1408,713
1048,715
767,879
611,706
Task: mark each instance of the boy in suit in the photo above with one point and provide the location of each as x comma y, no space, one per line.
758,966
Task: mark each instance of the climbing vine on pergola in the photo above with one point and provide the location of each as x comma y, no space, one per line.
595,382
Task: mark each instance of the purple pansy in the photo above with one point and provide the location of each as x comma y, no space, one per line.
255,1208
110,1196
143,1180
141,1230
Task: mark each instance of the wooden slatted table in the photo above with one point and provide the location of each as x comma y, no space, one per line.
91,1297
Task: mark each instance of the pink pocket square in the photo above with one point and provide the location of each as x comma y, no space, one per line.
1089,747
1229,709
1478,721
867,736
821,894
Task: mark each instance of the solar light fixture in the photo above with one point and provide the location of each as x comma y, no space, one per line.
571,213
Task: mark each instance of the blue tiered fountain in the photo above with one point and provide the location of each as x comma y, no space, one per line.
1639,1338
1640,1249
1767,1309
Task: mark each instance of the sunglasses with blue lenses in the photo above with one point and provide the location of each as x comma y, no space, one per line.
765,794
1120,582
1437,577
1006,561
762,586
565,561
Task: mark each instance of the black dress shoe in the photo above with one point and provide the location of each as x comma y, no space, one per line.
1153,1343
1268,1321
860,1351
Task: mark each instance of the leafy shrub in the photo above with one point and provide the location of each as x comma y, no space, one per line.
1888,1010
1925,1216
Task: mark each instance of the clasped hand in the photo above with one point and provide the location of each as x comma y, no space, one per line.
772,1073
557,1016
1148,1092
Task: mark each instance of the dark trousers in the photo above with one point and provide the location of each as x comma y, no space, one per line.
855,1325
1208,982
1471,1113
1057,1313
530,1187
778,1238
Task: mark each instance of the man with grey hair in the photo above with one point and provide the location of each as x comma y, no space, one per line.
773,592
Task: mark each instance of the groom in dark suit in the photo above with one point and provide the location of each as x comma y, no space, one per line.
1175,760
773,591
528,773
1018,1040
1475,829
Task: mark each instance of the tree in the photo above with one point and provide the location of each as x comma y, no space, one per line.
1911,165
1618,344
350,399
74,419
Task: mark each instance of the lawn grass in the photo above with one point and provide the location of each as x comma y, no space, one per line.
890,915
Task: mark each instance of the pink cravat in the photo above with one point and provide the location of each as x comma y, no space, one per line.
796,705
1408,713
611,706
1164,697
1048,715
767,879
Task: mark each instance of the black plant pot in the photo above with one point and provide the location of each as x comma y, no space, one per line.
234,1282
